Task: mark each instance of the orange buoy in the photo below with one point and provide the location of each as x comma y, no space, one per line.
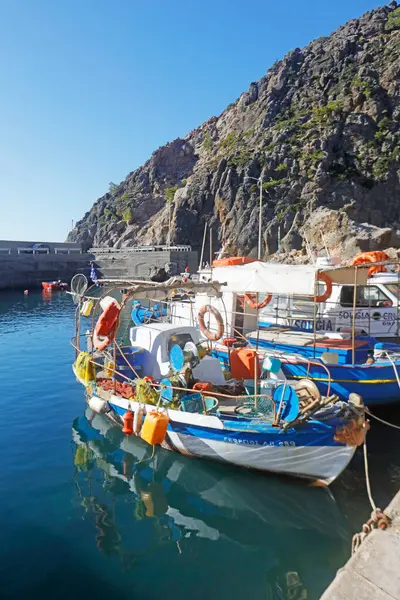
128,423
106,326
328,287
211,335
250,301
372,257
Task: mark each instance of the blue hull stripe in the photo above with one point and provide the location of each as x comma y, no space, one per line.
311,434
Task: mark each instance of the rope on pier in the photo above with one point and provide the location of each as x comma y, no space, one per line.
378,519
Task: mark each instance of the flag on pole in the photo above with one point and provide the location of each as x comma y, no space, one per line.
93,275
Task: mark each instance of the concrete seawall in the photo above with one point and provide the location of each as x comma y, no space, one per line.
28,271
135,265
373,572
22,266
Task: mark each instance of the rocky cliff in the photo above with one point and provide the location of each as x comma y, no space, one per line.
321,130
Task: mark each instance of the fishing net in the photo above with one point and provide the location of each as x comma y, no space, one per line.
79,284
261,407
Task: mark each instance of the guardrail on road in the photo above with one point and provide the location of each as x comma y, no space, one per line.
136,249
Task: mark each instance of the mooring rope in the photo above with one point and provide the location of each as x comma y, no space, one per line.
381,420
378,519
394,368
366,467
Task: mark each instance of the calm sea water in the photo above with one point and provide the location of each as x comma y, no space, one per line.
85,513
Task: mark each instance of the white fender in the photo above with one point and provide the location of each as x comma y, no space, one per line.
98,405
138,419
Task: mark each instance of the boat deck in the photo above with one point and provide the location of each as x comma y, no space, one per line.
225,405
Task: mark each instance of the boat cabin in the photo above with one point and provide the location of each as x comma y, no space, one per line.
285,294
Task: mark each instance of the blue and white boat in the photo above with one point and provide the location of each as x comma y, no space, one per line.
340,360
203,493
279,430
373,371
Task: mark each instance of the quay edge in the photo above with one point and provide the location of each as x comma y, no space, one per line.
373,572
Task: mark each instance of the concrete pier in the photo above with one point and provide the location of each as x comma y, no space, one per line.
373,572
24,266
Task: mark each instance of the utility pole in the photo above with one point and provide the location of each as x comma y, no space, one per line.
260,219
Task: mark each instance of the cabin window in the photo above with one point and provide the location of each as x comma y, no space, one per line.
394,289
367,296
179,338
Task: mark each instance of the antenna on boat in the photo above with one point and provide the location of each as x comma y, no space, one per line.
211,254
169,224
203,245
324,242
309,248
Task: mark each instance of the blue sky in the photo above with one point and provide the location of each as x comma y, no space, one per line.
90,88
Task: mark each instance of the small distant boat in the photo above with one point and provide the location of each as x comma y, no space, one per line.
54,286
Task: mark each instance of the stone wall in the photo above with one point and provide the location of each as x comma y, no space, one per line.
27,271
138,265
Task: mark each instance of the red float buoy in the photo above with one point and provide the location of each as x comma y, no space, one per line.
128,423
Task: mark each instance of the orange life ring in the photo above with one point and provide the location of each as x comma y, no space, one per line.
233,260
249,299
328,287
106,326
372,257
207,332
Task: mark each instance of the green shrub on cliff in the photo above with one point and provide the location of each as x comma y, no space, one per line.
170,193
207,143
127,216
393,21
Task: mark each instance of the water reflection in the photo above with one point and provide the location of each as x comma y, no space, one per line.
293,536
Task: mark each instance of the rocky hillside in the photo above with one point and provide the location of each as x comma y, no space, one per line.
322,131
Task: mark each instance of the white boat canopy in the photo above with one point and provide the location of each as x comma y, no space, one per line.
276,278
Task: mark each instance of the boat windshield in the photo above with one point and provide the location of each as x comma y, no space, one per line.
394,289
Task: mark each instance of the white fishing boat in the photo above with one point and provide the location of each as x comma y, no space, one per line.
166,389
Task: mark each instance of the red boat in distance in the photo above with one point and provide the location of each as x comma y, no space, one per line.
54,286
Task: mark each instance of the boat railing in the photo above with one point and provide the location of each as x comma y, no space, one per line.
256,399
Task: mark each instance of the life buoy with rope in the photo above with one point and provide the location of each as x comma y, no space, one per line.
106,326
250,301
210,335
371,257
324,278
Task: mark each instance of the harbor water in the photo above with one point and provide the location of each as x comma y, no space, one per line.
86,512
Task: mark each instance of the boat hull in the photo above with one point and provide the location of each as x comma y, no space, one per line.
309,452
376,384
